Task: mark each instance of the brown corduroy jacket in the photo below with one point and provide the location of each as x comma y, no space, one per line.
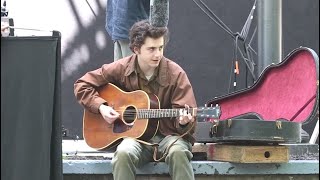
173,89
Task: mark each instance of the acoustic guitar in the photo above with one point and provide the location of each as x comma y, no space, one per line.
139,117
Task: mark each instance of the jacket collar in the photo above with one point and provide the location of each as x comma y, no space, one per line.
131,65
162,78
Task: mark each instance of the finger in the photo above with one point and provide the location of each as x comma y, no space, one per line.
182,122
185,113
180,115
113,116
113,112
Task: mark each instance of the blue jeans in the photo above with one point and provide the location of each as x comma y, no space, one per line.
130,154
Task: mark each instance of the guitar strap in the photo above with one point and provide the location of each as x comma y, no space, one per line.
156,145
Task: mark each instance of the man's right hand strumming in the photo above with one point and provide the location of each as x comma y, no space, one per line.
108,113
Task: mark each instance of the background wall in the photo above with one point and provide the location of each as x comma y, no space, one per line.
199,45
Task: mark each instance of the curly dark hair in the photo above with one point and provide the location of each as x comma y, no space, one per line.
143,29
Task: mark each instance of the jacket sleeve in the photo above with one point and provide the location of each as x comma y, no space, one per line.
183,95
85,88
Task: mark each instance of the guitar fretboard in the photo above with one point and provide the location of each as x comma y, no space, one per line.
159,113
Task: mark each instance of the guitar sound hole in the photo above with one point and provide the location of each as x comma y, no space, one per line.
120,127
129,114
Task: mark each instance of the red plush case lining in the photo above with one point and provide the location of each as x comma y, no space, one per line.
287,90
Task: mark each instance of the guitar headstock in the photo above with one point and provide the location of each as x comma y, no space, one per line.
209,112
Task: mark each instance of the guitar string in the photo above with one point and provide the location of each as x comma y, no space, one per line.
190,109
170,113
150,111
133,112
157,111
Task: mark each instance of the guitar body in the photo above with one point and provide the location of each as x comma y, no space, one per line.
100,135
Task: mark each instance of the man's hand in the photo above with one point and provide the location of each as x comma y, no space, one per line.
108,113
185,116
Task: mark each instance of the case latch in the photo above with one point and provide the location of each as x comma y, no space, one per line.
214,128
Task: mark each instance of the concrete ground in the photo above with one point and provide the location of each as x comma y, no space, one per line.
84,163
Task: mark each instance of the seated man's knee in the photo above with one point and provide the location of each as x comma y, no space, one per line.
120,155
178,152
124,152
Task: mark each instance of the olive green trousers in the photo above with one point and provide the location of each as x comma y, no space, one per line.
131,154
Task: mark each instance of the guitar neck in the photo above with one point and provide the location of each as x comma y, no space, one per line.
162,113
203,112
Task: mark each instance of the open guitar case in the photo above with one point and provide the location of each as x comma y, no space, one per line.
273,109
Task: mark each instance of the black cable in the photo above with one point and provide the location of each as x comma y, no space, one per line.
246,27
91,9
230,77
249,44
247,55
221,22
215,19
235,57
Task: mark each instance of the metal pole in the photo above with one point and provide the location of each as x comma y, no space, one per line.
315,134
269,33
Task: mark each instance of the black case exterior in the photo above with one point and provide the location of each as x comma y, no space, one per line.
246,131
250,125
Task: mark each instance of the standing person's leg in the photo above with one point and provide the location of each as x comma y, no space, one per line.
121,49
129,155
178,158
